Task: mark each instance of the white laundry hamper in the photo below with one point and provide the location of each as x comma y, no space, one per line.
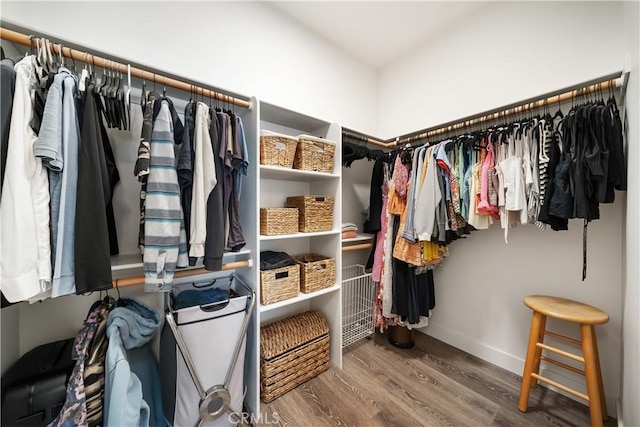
202,350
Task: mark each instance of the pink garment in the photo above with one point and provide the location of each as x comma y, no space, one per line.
484,207
400,178
378,256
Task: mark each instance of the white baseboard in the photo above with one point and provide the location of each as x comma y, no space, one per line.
619,413
512,363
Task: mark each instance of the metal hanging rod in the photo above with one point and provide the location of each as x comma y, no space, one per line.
89,58
139,280
357,247
566,94
364,138
609,81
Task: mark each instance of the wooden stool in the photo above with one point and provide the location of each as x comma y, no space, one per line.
585,315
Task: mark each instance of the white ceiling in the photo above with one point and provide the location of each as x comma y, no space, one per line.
378,32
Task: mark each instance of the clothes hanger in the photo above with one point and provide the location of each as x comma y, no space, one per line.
143,96
127,95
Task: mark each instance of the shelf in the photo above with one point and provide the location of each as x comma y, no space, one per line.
358,238
131,261
292,119
301,297
298,175
298,235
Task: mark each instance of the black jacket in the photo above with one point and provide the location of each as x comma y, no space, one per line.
214,242
92,254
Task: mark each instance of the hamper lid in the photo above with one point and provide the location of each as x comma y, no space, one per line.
315,138
287,334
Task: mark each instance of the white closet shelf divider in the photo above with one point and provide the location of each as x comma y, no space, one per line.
286,174
358,238
299,235
301,297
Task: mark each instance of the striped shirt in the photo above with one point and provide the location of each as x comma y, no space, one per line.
164,234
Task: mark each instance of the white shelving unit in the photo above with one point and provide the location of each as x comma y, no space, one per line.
270,189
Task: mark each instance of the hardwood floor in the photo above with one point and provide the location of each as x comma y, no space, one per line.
432,384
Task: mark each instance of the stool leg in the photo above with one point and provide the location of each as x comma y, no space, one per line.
591,371
603,401
534,334
536,360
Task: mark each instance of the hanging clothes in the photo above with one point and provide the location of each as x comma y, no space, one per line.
235,240
141,170
74,411
25,267
131,326
92,247
214,243
57,145
94,370
165,238
7,87
186,162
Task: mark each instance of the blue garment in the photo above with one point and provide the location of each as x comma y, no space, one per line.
441,154
193,297
48,147
409,232
465,190
58,146
129,326
64,282
144,366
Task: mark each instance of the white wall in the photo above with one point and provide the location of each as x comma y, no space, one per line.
631,296
499,56
247,47
507,52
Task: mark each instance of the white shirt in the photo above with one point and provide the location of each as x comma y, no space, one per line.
25,249
204,180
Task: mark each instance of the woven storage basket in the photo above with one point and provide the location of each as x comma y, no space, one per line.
277,149
315,213
292,351
279,284
316,272
275,221
314,154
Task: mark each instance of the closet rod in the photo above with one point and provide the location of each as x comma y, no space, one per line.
139,280
89,58
357,247
364,138
566,94
604,83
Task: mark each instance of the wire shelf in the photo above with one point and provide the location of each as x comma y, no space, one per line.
358,292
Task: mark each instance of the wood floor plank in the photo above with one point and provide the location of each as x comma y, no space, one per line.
432,384
500,385
439,390
425,404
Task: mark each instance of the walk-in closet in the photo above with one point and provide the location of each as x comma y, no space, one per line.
320,213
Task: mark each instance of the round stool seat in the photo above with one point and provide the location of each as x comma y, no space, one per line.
566,309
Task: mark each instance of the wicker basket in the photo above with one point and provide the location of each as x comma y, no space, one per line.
314,154
277,149
315,213
316,271
292,351
279,284
274,221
